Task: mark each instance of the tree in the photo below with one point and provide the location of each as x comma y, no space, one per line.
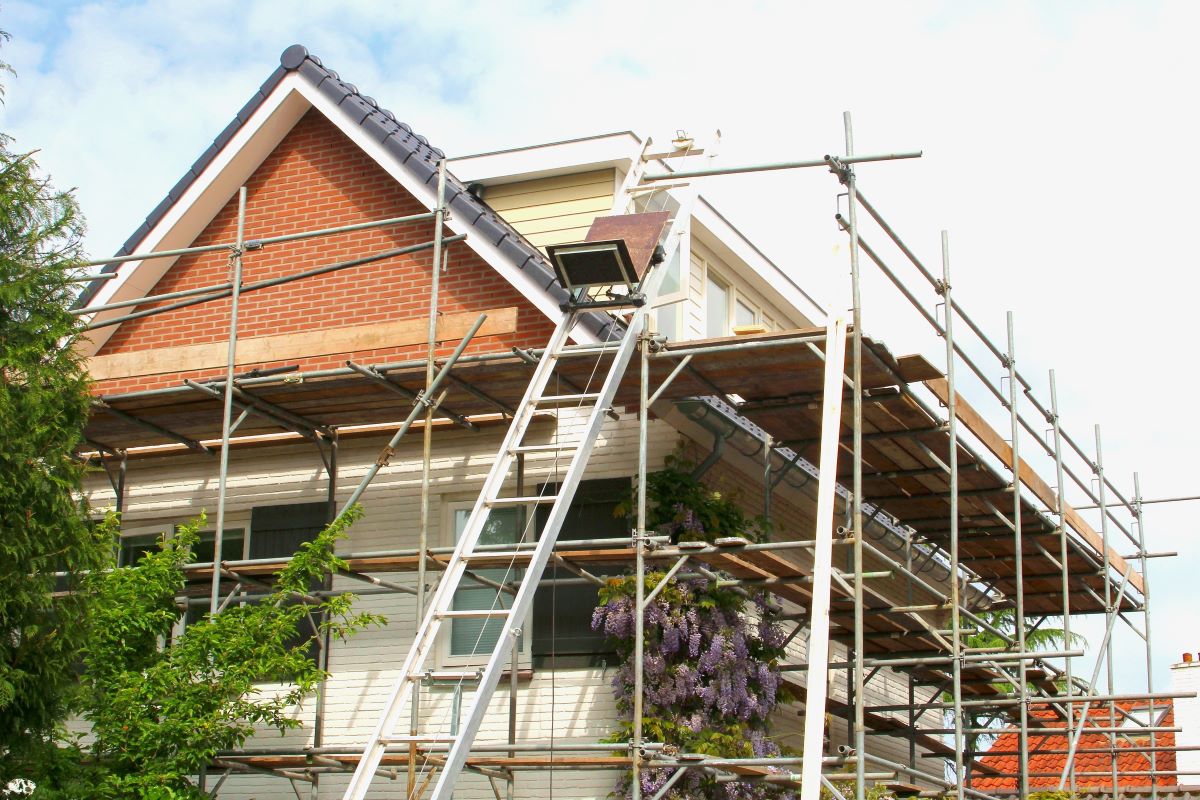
44,528
159,713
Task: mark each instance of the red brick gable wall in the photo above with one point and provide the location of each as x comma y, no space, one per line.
318,178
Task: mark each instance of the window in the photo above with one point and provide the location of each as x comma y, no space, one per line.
131,548
744,314
562,615
477,637
716,306
668,305
727,306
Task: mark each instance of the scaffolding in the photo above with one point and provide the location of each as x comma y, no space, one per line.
926,471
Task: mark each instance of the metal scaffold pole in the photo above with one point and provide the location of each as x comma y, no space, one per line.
1111,608
235,263
435,271
860,728
1018,559
1063,557
955,582
1141,526
639,544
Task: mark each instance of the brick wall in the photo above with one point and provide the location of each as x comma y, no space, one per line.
317,178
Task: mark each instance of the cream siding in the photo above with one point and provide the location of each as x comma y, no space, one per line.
554,210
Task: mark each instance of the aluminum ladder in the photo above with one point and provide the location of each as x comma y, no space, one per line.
440,607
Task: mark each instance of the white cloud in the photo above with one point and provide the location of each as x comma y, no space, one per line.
1059,143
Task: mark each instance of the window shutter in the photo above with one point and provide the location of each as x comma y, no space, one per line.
277,531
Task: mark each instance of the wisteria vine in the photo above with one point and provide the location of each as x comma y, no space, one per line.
710,674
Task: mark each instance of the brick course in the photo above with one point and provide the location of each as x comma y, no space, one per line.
318,178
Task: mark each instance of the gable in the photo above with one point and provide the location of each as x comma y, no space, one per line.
316,177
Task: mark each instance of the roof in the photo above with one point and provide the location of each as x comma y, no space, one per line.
1092,768
412,151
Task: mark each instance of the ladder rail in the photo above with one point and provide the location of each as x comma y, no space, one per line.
426,634
457,756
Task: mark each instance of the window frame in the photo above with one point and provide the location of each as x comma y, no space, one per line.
449,537
734,295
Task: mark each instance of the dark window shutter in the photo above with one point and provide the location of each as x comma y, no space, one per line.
277,531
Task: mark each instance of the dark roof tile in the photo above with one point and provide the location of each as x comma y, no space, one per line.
223,138
251,106
159,211
294,57
181,185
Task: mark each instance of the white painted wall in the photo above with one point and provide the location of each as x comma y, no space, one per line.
1185,677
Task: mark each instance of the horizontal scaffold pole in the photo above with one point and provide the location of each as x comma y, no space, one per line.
263,284
253,244
823,161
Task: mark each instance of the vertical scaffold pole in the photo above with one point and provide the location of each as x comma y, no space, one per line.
860,728
1111,606
1141,524
1018,558
955,583
1063,555
439,218
227,401
639,544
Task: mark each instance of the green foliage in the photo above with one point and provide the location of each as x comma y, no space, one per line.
680,506
44,528
1051,795
159,713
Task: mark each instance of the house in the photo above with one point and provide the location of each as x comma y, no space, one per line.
328,366
1093,757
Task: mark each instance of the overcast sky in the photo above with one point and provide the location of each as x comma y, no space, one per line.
1060,144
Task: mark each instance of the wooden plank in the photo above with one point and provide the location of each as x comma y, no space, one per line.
915,368
1001,449
287,346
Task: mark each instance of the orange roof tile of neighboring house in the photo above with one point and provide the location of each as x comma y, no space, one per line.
1047,754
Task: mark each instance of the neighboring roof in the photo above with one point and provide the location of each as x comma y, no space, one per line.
1130,760
413,151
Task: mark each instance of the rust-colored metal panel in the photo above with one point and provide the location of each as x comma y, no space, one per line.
640,233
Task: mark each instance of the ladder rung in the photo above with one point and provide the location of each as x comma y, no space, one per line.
417,739
521,501
544,448
587,349
446,675
500,555
562,399
473,613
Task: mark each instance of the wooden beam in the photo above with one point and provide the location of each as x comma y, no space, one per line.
305,344
994,442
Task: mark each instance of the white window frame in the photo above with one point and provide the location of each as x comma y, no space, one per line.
734,295
166,527
677,297
450,505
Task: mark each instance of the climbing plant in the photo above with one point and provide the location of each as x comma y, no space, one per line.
710,664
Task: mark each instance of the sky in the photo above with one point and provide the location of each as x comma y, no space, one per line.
1059,143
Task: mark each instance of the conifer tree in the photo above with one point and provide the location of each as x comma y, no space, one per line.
44,527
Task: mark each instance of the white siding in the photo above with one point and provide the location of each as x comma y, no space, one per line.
568,705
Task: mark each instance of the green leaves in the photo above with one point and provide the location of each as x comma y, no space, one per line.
161,707
44,528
